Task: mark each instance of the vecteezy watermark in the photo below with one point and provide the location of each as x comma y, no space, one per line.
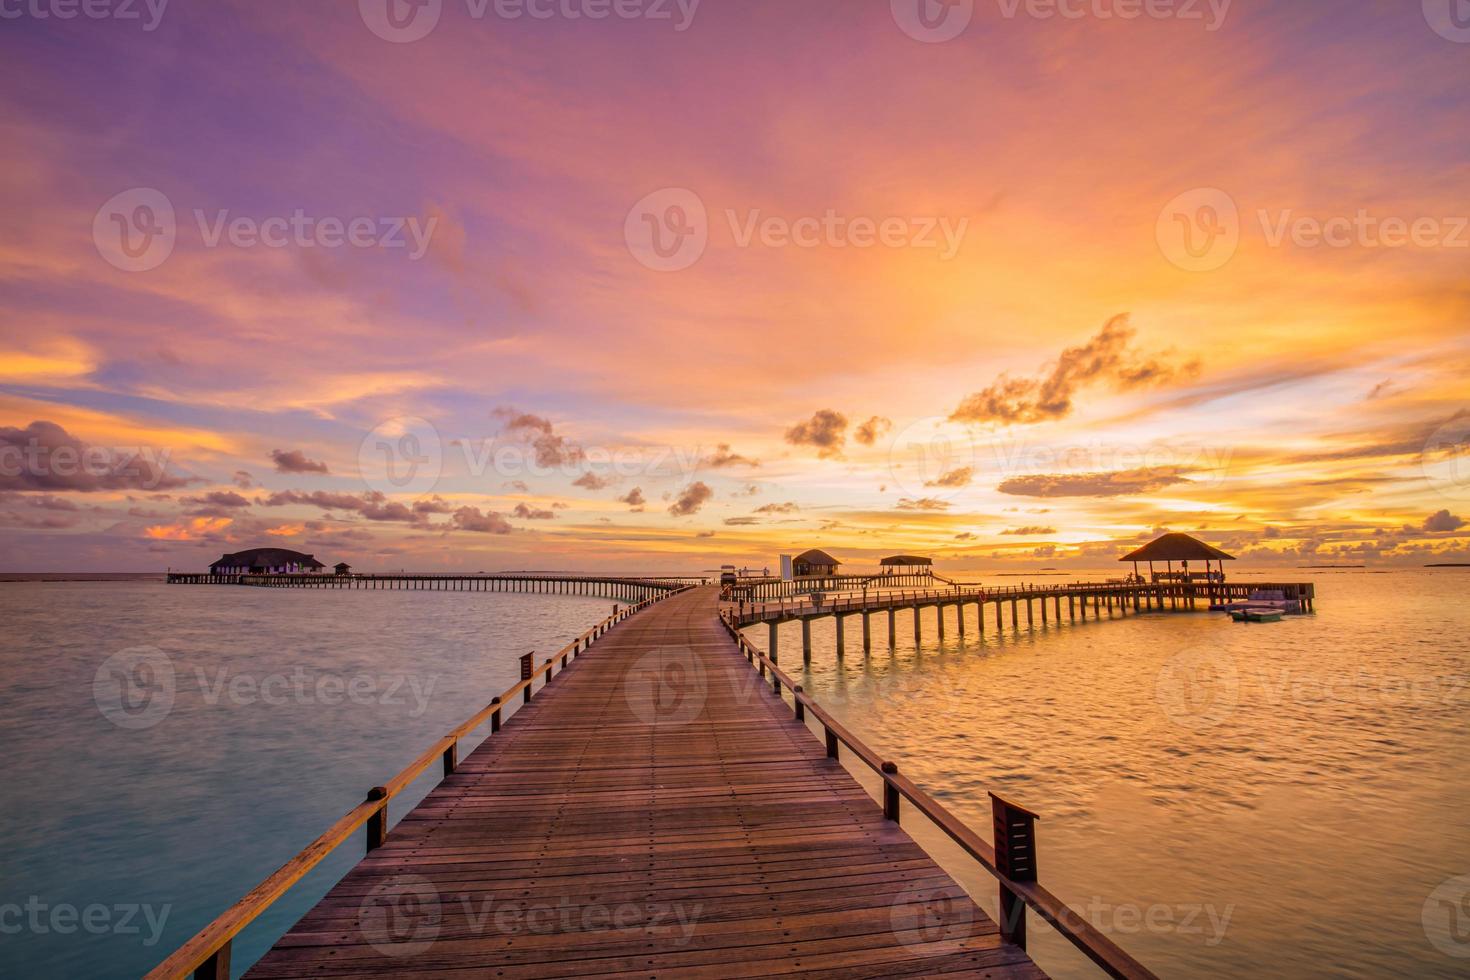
1211,13
1158,918
1198,687
1201,230
403,454
932,458
666,686
147,12
1203,686
1446,459
669,230
936,21
137,230
1450,19
60,466
932,21
1446,917
41,918
923,914
136,688
406,21
403,916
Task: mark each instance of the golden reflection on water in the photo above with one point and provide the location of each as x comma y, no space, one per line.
1271,799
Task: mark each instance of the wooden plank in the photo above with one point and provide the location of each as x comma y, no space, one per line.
652,811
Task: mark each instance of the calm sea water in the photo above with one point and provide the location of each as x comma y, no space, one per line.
125,832
1280,800
1267,800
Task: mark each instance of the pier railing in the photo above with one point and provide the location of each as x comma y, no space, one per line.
1011,859
207,954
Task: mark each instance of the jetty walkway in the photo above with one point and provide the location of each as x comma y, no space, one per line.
667,804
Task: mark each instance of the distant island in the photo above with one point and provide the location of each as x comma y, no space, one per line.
1450,564
1332,566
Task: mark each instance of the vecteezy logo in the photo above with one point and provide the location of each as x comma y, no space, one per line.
926,914
401,455
930,460
666,686
401,916
1199,230
1450,19
135,230
1198,687
1446,917
668,230
932,21
1446,459
400,21
134,688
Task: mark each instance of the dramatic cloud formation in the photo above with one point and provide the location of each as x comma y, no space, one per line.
1115,484
954,478
295,461
43,456
1443,521
591,481
722,457
471,519
527,513
551,449
432,505
694,496
633,498
826,430
1106,358
243,480
923,503
870,431
787,508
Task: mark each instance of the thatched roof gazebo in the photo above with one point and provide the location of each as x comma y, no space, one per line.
1181,548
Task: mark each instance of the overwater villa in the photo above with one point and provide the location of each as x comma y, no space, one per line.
1181,548
814,564
265,561
906,565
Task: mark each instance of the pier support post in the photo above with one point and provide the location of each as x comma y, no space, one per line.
999,625
1071,609
837,622
867,632
1028,611
1015,615
1015,858
806,640
959,615
918,622
892,630
939,615
771,634
1043,611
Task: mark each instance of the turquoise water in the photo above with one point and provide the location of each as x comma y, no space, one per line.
123,839
1282,800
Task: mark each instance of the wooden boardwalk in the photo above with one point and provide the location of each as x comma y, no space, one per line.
654,812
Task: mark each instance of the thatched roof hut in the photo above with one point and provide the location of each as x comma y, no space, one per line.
1181,548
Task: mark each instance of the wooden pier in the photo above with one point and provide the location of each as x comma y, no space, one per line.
669,805
1042,604
624,588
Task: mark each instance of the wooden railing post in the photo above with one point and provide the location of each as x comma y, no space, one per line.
796,693
451,758
377,824
1015,859
217,967
890,792
831,742
527,664
495,716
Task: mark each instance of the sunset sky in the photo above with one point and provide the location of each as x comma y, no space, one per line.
692,283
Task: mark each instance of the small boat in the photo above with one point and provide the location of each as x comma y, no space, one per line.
1257,614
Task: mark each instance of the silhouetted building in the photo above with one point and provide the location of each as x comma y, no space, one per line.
262,561
814,564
